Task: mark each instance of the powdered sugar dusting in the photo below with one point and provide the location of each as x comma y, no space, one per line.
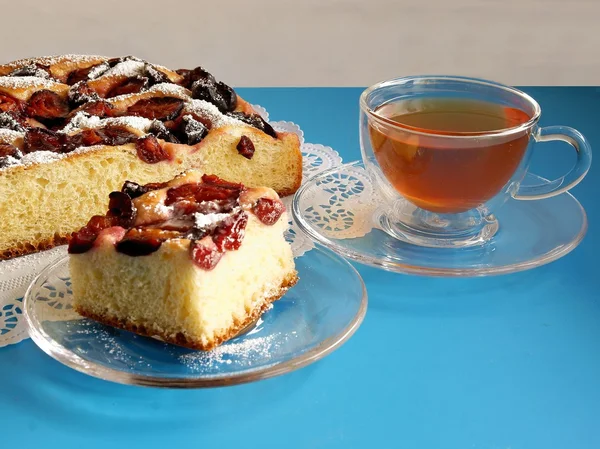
44,157
9,161
81,150
83,120
161,209
9,136
241,353
40,157
129,67
98,70
25,82
50,60
170,89
211,112
204,221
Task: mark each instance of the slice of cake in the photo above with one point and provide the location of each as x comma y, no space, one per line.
76,127
192,261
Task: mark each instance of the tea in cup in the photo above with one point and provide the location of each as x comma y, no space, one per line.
447,152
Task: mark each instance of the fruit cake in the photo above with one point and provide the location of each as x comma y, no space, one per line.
191,261
74,128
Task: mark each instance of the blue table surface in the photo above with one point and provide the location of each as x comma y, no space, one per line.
498,362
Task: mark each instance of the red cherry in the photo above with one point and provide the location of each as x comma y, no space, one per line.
205,254
229,235
268,210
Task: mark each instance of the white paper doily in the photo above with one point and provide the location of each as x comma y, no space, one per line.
17,274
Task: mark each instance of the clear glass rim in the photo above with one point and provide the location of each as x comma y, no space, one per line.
365,108
326,347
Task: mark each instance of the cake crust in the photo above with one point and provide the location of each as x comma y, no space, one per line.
34,246
190,343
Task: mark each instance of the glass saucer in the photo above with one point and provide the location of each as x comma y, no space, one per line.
313,319
340,209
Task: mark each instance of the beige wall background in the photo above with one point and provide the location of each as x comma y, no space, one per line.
322,43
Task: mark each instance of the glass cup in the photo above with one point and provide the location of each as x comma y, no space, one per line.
442,185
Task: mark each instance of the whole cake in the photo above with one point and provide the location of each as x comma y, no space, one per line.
74,128
191,261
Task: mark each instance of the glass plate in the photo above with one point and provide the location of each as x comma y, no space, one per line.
313,319
532,233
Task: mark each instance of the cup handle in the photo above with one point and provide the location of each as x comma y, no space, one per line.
573,177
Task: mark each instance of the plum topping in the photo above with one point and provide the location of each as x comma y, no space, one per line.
90,137
268,210
114,61
204,87
45,104
31,70
121,208
8,121
205,254
254,120
194,130
141,242
79,75
229,96
178,126
159,108
116,135
184,192
245,147
216,181
83,240
98,108
10,104
210,196
196,193
7,149
132,85
185,73
217,93
155,75
86,138
138,246
150,151
70,143
109,135
99,222
40,139
209,238
191,76
159,129
81,93
230,233
133,189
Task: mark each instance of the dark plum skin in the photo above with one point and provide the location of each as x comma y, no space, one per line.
245,147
